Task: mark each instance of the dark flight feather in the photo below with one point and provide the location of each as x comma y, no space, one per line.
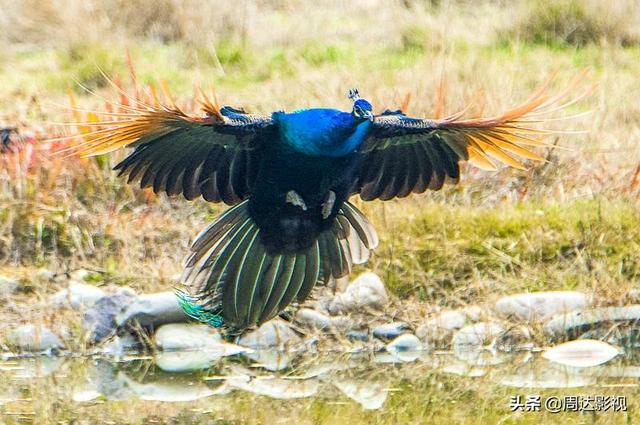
230,273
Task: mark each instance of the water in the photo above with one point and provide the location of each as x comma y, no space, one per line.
314,388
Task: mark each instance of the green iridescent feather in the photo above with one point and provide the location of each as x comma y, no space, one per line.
196,311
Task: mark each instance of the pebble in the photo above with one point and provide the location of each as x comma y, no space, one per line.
474,337
357,335
100,319
34,338
77,295
181,336
273,334
390,330
540,306
581,353
441,327
365,292
406,347
572,325
153,310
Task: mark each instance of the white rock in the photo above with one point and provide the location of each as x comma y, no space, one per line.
366,291
390,330
313,319
186,361
185,347
100,319
34,338
442,326
153,310
476,336
581,353
7,285
273,334
183,336
77,295
540,306
573,323
406,342
371,395
406,347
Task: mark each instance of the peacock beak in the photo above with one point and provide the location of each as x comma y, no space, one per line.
369,115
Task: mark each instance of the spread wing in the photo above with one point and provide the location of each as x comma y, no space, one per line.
215,156
403,155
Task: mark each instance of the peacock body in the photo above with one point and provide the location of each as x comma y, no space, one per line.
288,178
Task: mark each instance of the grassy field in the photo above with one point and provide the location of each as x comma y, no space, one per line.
569,223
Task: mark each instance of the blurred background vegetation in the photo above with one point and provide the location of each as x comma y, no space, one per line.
568,223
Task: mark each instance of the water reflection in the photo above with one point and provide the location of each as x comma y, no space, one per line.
365,378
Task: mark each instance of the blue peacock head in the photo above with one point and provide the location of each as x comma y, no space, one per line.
362,109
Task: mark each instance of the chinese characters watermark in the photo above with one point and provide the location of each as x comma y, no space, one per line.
568,403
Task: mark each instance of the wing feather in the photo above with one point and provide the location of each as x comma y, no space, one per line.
402,154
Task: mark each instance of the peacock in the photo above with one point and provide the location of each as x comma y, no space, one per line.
288,178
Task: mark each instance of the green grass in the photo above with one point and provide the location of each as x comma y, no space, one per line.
440,248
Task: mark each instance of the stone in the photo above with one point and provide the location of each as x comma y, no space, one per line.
274,334
390,330
34,338
406,347
153,310
441,327
581,353
189,347
8,286
365,292
99,321
572,325
77,295
312,319
474,337
357,335
540,306
181,336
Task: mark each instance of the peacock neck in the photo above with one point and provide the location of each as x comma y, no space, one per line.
322,132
